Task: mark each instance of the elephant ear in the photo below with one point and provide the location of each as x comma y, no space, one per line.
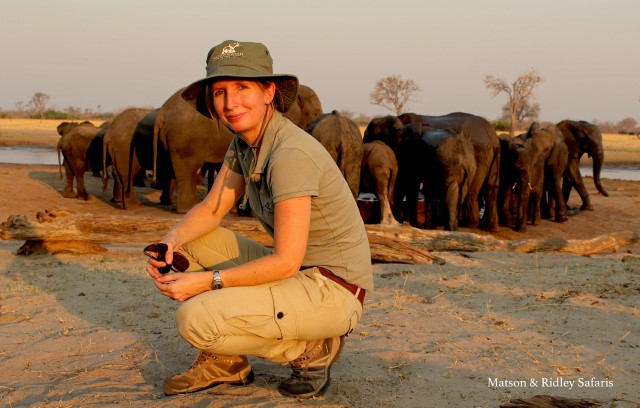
535,126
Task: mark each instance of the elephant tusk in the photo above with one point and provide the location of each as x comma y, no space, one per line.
514,185
530,188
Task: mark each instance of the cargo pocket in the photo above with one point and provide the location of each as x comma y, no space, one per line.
283,314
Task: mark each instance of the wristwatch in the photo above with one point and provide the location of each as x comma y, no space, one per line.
216,283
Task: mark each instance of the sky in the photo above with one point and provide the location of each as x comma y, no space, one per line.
107,55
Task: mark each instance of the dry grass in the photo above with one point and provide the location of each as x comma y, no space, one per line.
619,149
31,131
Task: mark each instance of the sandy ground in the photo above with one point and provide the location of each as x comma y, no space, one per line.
479,331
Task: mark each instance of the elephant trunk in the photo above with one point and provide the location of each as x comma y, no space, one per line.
598,160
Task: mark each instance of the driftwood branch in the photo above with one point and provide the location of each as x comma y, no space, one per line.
64,231
470,242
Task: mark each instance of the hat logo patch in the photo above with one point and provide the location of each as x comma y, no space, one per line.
229,51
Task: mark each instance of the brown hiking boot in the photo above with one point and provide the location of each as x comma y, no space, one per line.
310,375
208,370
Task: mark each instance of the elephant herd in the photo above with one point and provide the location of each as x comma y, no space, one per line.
468,175
174,142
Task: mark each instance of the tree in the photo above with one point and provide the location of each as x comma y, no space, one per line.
627,126
38,103
393,93
520,92
525,114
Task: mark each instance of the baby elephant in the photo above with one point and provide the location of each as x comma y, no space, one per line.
379,172
441,164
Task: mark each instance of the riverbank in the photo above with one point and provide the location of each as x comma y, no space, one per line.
619,149
481,330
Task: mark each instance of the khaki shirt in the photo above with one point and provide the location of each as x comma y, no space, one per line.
291,163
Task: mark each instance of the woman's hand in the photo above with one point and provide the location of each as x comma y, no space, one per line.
154,265
182,286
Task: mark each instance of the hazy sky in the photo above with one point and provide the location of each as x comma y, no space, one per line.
115,54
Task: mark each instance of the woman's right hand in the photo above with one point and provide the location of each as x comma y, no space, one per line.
153,265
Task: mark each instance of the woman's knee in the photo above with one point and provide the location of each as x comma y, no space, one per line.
195,325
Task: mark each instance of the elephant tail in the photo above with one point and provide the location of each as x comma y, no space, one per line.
105,174
58,148
157,128
393,175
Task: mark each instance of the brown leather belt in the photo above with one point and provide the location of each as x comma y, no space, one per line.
357,291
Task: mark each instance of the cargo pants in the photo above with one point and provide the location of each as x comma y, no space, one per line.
273,320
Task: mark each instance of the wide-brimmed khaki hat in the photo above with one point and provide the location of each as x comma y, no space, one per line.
247,60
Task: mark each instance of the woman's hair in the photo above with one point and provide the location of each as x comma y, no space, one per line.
264,85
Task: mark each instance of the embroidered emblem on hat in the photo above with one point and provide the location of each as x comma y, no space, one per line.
229,51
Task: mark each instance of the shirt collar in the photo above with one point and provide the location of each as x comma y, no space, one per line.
268,140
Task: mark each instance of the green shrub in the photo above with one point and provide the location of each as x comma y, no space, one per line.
501,125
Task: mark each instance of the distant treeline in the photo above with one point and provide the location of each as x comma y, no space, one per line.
625,126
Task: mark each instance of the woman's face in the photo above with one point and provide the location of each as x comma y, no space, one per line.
241,105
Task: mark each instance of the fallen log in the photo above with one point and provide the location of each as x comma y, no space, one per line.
58,231
549,401
435,240
53,230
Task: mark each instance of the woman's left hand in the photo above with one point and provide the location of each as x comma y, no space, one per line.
182,286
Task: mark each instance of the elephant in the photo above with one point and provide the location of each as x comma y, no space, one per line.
521,182
342,139
75,145
306,109
484,139
378,174
132,123
190,141
582,137
440,163
550,143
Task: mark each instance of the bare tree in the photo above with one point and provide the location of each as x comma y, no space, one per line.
526,114
19,108
394,93
627,126
38,103
519,92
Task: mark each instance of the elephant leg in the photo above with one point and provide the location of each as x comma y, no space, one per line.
82,192
186,184
452,198
472,209
354,179
538,201
382,182
68,186
166,198
490,217
575,180
507,207
117,190
524,207
560,206
139,177
130,200
506,200
411,208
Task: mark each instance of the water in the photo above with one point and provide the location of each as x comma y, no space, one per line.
47,155
618,172
28,155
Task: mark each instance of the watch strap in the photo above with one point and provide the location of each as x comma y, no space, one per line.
216,283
